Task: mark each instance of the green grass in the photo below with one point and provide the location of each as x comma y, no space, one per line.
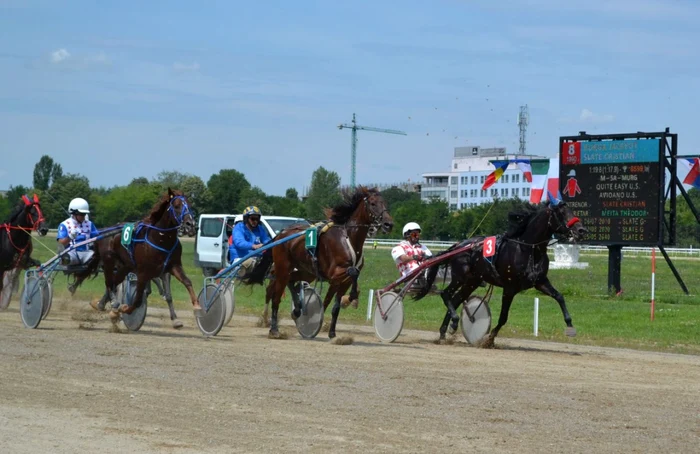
600,318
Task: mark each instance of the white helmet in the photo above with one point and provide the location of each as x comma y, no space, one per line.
78,206
410,226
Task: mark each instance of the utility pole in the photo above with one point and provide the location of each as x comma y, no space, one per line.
523,121
354,127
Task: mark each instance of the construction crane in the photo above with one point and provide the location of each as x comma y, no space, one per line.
523,121
353,147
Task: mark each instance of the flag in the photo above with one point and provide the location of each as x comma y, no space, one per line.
553,176
493,177
525,168
540,168
693,177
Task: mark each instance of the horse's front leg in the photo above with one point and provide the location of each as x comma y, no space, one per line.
352,299
179,273
546,287
447,295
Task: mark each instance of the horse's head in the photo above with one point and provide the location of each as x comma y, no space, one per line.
34,216
563,222
378,212
180,211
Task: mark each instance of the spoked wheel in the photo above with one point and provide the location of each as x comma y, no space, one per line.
47,298
310,321
476,319
229,302
133,321
32,301
390,325
213,306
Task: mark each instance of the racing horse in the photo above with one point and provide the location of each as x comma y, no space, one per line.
154,249
338,256
16,239
520,263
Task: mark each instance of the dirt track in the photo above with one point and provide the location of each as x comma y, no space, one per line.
65,389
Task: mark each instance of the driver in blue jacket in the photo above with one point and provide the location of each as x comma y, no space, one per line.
76,229
248,236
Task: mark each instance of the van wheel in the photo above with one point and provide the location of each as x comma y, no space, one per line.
209,272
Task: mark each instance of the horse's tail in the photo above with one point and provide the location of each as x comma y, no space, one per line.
92,268
259,272
429,279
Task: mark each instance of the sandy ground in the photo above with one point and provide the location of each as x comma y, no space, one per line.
73,386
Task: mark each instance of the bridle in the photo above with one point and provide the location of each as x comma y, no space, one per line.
376,219
561,224
184,210
34,224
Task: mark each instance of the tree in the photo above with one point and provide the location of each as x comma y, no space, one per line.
291,193
55,201
127,203
225,189
46,171
324,192
172,179
256,196
5,208
197,193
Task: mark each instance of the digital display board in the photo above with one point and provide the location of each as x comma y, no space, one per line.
615,188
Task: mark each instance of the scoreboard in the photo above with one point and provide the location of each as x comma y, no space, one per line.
615,187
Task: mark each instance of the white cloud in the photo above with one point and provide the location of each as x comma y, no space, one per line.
59,55
589,117
184,67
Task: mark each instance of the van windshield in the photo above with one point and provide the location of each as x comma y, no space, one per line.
277,225
211,227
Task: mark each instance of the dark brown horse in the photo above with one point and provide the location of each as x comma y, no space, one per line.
338,257
153,250
16,235
520,263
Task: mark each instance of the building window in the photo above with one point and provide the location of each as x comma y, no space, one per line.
482,179
455,165
526,192
494,192
516,178
453,206
453,180
505,178
516,192
483,193
475,151
453,194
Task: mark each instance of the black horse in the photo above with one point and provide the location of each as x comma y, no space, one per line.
520,263
16,235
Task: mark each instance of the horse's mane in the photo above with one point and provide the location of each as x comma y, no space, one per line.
19,208
160,207
342,212
519,220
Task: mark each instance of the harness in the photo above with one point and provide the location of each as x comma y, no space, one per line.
34,226
141,226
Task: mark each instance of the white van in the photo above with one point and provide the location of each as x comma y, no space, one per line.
211,242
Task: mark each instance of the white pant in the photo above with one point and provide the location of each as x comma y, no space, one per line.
80,257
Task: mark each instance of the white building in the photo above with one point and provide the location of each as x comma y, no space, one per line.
461,185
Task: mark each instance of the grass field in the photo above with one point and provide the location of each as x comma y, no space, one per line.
600,318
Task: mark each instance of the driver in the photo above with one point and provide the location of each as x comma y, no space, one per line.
248,236
409,253
75,229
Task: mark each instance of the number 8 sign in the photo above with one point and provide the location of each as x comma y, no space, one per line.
490,246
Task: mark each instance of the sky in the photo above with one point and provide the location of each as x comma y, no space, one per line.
120,90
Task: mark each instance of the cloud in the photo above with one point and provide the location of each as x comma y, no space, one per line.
185,68
59,55
589,117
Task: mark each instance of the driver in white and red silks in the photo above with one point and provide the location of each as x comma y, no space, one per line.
409,253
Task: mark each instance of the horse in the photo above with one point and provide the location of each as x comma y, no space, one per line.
153,250
16,236
338,257
520,263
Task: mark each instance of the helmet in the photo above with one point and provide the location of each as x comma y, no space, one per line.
572,173
251,210
78,206
409,227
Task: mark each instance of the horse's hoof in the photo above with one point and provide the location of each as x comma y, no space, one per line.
114,316
295,314
199,313
97,305
177,324
126,309
331,334
571,331
452,330
355,303
344,301
273,334
72,289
